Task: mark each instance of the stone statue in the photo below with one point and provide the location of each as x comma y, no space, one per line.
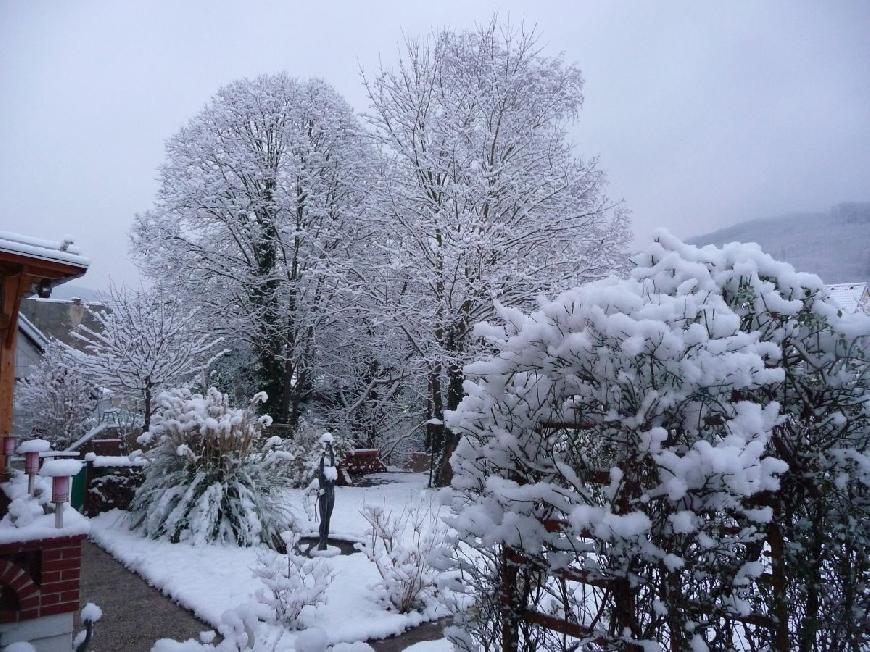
327,474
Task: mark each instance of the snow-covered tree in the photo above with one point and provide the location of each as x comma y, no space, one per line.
145,341
57,401
373,385
212,474
635,434
259,209
485,200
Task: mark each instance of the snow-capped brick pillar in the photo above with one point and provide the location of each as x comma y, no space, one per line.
40,578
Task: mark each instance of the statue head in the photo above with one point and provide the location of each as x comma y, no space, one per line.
326,441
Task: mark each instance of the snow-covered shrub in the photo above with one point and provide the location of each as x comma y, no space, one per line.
822,434
648,491
239,629
56,401
651,435
212,475
401,546
292,582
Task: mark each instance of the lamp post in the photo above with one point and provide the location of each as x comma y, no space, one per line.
60,472
31,450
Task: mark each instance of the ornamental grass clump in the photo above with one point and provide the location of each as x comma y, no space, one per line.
213,476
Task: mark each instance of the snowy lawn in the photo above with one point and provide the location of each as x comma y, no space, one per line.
210,579
397,492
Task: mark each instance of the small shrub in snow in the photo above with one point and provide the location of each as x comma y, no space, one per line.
212,476
401,547
292,582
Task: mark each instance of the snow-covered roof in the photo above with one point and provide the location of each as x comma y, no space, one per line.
32,332
59,252
850,297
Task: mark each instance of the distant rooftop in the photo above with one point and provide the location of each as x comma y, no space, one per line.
57,318
851,297
40,341
59,252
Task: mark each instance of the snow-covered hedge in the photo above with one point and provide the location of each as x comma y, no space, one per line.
694,381
212,475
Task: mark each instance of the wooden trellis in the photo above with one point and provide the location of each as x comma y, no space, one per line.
514,612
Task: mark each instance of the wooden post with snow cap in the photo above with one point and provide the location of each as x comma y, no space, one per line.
60,472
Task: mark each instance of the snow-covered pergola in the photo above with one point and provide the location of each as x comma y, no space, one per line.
27,266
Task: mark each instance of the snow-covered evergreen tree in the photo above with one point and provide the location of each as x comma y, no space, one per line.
485,199
650,421
145,342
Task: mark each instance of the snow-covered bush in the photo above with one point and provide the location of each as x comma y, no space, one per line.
239,629
401,546
292,582
56,401
823,435
634,430
212,475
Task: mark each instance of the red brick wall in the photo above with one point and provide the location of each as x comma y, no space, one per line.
41,576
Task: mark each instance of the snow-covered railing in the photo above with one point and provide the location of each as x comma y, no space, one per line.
110,461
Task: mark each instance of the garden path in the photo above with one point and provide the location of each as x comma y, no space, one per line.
135,614
425,632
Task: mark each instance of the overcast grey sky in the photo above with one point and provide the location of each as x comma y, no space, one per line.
703,114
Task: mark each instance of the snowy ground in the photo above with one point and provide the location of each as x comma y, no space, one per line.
210,579
397,491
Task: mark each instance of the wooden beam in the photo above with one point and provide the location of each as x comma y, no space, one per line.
50,269
9,288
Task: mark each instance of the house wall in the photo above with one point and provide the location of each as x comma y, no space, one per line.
27,356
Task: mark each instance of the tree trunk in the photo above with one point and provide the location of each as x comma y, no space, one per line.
450,438
435,431
147,425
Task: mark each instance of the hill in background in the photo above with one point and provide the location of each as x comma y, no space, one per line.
835,245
